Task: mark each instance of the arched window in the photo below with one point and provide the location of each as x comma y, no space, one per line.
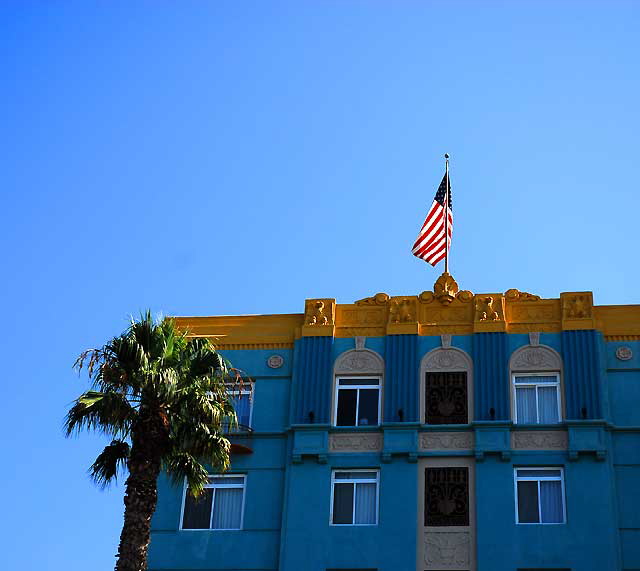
536,383
446,387
357,397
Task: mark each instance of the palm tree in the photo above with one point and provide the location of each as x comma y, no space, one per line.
162,399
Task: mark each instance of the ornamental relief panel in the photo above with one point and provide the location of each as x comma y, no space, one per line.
446,360
538,358
539,440
359,361
370,442
446,441
444,550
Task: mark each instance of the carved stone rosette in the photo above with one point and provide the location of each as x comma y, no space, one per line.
369,442
539,440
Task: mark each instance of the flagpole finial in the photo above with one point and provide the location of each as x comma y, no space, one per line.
446,155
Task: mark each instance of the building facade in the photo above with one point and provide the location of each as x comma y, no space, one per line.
447,431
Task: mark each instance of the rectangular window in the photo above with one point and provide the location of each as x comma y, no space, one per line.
242,400
446,496
357,402
537,398
354,497
539,495
446,398
219,507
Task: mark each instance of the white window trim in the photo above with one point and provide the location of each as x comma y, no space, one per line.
243,392
346,387
242,486
354,481
557,386
560,479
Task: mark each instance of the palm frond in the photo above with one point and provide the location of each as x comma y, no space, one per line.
110,462
110,413
181,465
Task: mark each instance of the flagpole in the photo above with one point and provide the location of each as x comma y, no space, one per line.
446,217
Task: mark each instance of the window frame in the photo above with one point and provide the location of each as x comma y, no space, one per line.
355,481
336,394
233,390
557,385
242,486
517,479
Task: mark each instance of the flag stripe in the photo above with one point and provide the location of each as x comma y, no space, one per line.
430,243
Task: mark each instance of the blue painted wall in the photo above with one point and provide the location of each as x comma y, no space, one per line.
287,504
312,380
402,387
582,373
491,376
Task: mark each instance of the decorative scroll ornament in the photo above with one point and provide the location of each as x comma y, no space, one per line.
400,311
624,353
515,295
485,309
315,313
377,299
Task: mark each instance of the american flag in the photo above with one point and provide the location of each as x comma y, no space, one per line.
430,244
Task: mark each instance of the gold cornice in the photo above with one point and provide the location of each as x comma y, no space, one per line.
446,310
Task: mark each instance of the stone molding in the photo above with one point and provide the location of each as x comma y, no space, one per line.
349,442
539,440
446,440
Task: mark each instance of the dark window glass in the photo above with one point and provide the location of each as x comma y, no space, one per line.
528,502
342,503
446,398
347,401
197,512
368,413
446,497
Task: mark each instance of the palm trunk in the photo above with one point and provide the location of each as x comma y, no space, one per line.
141,494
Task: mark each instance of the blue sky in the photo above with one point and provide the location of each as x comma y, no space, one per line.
203,158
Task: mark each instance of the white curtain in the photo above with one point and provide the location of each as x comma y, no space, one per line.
548,405
551,502
526,405
365,503
227,508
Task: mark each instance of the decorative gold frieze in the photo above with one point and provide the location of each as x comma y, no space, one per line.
445,310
